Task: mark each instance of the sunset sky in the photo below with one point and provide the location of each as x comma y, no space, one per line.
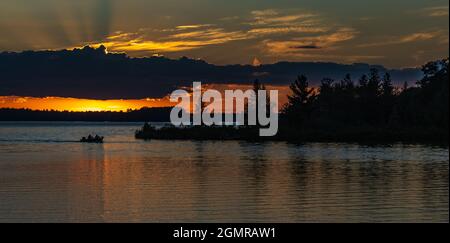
394,33
72,104
398,33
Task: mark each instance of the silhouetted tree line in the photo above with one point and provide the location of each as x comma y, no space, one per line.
371,106
370,109
144,114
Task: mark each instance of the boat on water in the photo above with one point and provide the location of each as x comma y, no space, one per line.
92,139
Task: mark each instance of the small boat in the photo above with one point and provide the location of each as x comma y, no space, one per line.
91,139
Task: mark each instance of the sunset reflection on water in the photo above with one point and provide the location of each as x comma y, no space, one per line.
125,180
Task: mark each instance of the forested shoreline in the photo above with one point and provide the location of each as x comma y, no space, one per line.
369,109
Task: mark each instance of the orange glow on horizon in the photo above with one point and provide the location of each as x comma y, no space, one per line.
79,105
85,105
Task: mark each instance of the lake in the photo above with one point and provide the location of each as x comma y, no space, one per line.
47,176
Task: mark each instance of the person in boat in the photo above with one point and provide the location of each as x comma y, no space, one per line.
92,139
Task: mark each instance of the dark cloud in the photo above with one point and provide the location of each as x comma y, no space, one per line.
307,47
91,73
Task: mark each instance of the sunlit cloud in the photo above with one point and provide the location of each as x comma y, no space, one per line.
256,62
323,47
155,27
264,13
281,33
298,46
274,17
285,30
121,36
190,37
418,37
139,45
137,42
439,11
414,37
197,26
230,18
272,22
212,35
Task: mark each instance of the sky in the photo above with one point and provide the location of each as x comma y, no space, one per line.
74,104
395,33
77,104
392,33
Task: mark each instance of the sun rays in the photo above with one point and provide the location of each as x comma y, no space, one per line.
55,24
215,31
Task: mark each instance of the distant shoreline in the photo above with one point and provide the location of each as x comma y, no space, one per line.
286,134
142,115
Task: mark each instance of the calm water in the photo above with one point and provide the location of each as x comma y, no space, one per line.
45,176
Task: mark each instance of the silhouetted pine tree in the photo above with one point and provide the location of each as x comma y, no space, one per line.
326,94
301,101
405,86
434,93
388,88
363,81
347,83
387,99
373,85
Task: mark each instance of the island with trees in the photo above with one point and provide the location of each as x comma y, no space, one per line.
370,109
